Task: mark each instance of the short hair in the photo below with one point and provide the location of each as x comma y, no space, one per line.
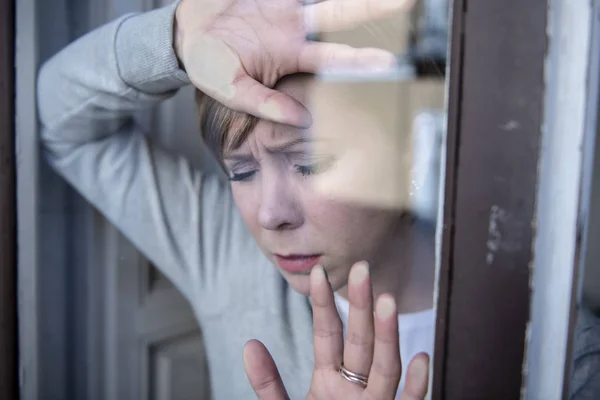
222,128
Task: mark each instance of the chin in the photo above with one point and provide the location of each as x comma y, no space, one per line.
300,283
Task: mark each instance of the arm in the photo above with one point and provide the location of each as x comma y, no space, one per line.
184,222
179,219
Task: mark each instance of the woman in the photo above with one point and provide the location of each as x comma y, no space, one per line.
188,225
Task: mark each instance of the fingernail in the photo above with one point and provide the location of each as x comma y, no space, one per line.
386,306
306,120
420,369
247,355
245,358
318,275
359,273
325,273
271,110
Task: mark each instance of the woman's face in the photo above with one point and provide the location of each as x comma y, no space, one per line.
294,225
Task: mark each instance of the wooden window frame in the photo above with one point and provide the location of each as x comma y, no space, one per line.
507,277
486,198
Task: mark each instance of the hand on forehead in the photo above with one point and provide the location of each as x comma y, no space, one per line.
357,124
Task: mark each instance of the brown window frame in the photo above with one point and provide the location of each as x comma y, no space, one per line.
493,144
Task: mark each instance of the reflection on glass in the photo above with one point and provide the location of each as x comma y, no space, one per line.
430,39
384,131
360,184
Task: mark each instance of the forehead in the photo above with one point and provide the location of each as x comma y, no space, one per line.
333,108
298,87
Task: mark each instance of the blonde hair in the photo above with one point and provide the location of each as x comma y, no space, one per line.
222,128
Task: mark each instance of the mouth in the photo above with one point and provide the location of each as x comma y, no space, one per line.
297,263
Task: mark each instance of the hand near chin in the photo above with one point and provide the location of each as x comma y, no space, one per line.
236,50
369,358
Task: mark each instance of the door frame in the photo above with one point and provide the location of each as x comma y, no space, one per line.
71,247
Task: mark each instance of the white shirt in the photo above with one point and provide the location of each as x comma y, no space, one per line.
416,333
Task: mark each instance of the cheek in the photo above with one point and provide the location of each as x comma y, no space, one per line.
246,202
349,229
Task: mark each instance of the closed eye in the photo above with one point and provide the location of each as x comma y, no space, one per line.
241,177
316,167
306,170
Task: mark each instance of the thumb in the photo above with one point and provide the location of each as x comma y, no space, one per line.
262,372
250,96
225,80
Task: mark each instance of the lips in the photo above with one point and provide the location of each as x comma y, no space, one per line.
297,263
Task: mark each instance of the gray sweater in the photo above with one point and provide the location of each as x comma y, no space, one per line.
185,222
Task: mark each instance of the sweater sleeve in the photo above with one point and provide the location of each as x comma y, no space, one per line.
182,220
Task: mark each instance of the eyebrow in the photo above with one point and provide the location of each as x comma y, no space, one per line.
280,148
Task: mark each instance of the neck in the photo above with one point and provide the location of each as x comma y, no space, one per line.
406,269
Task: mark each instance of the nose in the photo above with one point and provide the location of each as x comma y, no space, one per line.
279,207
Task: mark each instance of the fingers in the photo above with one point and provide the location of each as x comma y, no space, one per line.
386,369
262,372
248,95
417,378
225,80
334,15
315,57
327,326
358,347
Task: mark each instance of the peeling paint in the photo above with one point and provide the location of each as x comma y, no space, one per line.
498,216
510,125
505,233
